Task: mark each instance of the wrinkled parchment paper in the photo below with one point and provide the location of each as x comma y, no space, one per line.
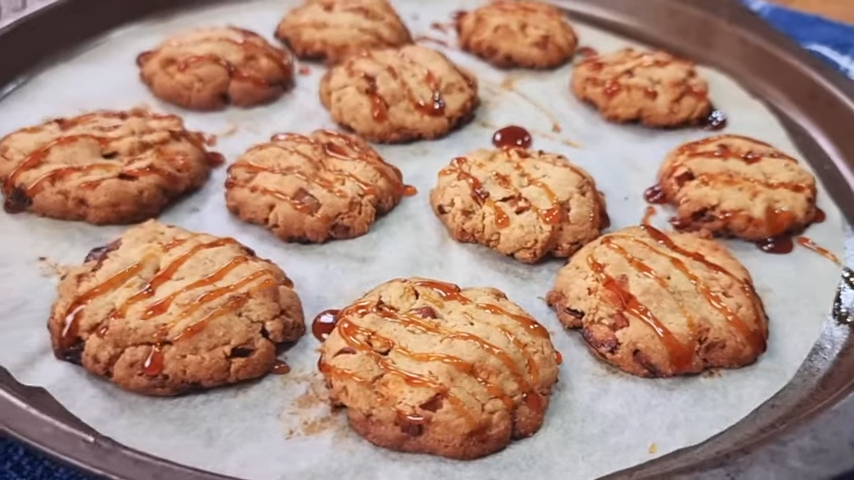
599,421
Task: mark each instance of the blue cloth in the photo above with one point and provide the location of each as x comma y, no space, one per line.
831,41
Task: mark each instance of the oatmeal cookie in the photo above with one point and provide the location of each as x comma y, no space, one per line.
517,34
425,366
660,304
734,185
652,87
522,203
333,29
398,95
313,188
163,311
209,68
102,167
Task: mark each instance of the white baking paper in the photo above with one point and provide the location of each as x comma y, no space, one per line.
599,421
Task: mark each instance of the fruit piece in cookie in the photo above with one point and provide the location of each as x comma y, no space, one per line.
523,203
333,29
207,69
102,167
426,366
658,304
313,188
399,95
652,87
517,34
734,185
163,311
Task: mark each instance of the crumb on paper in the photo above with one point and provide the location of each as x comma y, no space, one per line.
310,413
142,106
711,373
49,268
484,124
653,448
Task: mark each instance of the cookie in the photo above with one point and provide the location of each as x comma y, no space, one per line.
425,366
398,95
658,304
522,203
734,185
511,34
102,167
313,188
207,69
333,29
163,311
652,87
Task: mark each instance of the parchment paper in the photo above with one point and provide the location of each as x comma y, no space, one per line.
599,420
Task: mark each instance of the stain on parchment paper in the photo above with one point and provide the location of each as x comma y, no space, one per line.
309,413
653,448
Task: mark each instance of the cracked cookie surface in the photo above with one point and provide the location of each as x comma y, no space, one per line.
425,366
527,204
163,311
517,34
207,69
333,29
313,188
734,185
652,87
399,95
658,304
102,167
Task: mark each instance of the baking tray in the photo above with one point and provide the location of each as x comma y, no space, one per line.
815,103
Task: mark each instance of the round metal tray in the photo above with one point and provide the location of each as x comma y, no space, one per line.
815,103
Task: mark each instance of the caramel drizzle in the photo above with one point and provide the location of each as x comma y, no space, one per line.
751,335
681,355
153,365
553,215
37,158
435,107
258,45
448,292
811,245
352,152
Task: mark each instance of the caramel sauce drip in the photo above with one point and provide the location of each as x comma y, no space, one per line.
324,323
587,52
820,216
281,368
304,70
427,38
648,214
512,136
529,324
153,363
558,357
750,335
379,107
230,305
447,291
808,243
779,245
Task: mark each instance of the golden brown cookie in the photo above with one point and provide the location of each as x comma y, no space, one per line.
313,188
734,185
653,87
209,68
425,366
162,311
398,95
517,34
522,203
102,167
660,304
333,29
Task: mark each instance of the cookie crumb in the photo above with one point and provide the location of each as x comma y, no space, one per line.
653,448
